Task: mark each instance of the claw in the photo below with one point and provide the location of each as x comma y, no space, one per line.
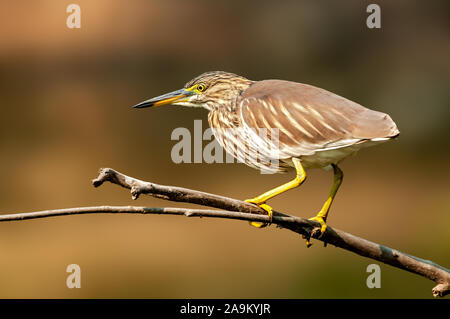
308,242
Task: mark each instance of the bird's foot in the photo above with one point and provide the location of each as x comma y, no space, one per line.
323,226
321,221
264,206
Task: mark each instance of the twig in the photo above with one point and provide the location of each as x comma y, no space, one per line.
236,209
188,212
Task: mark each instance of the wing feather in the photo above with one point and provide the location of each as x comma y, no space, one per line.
310,119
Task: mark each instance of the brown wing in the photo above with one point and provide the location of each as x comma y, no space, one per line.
310,119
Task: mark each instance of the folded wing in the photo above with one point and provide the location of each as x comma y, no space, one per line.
310,119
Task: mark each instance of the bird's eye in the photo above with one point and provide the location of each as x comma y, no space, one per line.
201,87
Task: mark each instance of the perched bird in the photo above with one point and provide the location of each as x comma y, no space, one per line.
315,128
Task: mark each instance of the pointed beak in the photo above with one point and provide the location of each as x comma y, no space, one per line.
165,98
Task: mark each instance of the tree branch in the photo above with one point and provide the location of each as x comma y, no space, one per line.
235,209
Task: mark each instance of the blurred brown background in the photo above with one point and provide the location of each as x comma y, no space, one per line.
65,112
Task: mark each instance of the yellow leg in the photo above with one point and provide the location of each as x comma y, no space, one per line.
321,217
261,199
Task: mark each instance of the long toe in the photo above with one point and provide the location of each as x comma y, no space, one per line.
267,208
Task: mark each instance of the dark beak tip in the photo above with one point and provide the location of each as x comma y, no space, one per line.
142,105
167,98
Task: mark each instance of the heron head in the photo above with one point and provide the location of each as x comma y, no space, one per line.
209,90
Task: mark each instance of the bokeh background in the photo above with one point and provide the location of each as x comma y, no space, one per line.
65,112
